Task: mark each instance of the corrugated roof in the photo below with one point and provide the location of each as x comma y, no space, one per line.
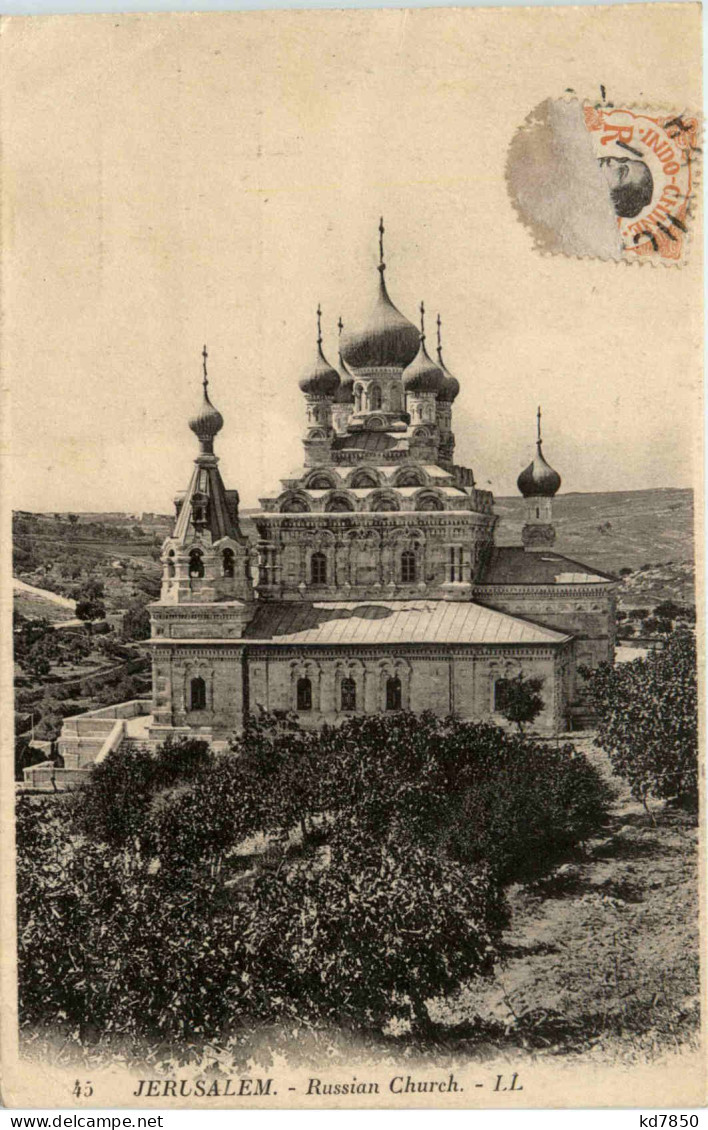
513,565
393,622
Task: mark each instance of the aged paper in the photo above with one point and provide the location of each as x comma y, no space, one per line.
519,189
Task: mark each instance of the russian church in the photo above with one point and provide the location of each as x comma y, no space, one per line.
376,584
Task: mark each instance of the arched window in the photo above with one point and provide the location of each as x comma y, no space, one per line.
393,693
320,482
197,694
318,569
228,562
428,502
538,512
304,694
348,694
358,390
408,566
294,506
196,564
338,502
171,563
363,479
409,479
385,502
375,398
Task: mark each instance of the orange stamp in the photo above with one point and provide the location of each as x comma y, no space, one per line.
606,182
648,162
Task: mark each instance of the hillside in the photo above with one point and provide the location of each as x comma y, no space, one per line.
614,530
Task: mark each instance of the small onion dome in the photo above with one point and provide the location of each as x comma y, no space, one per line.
208,421
450,386
320,379
539,478
345,392
422,375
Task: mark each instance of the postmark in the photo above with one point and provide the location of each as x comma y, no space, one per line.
648,161
605,181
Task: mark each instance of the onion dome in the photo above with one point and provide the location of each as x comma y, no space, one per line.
345,392
320,379
388,340
450,386
208,421
539,478
422,375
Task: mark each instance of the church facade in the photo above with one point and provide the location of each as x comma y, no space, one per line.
375,584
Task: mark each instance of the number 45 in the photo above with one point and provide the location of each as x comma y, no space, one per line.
82,1090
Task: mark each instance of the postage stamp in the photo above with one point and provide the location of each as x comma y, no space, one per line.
648,162
606,182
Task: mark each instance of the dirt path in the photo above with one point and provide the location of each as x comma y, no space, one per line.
45,594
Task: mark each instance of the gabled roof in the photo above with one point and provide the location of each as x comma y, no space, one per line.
393,622
513,565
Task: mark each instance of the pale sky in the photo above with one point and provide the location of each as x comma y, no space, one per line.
172,181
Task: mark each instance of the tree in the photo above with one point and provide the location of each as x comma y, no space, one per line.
648,712
136,621
90,610
518,700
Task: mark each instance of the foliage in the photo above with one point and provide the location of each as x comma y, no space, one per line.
345,876
136,621
648,711
90,609
519,700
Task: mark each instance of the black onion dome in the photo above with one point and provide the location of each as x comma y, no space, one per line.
207,422
450,386
422,375
320,379
388,341
539,478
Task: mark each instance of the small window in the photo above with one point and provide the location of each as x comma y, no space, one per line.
228,562
304,694
538,512
455,563
363,479
393,693
318,569
408,566
348,694
171,564
501,695
196,564
375,398
197,694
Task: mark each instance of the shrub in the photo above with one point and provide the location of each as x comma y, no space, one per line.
648,712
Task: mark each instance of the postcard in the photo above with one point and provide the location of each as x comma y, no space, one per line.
353,561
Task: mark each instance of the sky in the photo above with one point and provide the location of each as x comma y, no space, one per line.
175,181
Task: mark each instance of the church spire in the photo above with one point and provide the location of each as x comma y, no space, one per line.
207,422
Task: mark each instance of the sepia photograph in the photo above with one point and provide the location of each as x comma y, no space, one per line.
353,577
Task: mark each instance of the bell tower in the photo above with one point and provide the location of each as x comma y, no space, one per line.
539,483
206,600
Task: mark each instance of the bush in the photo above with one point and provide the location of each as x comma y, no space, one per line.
345,876
648,712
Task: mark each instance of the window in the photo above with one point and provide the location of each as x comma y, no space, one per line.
196,565
228,562
393,693
428,502
318,569
363,479
304,694
455,563
171,563
409,479
375,399
338,502
501,695
408,566
197,694
538,512
320,482
348,694
357,397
